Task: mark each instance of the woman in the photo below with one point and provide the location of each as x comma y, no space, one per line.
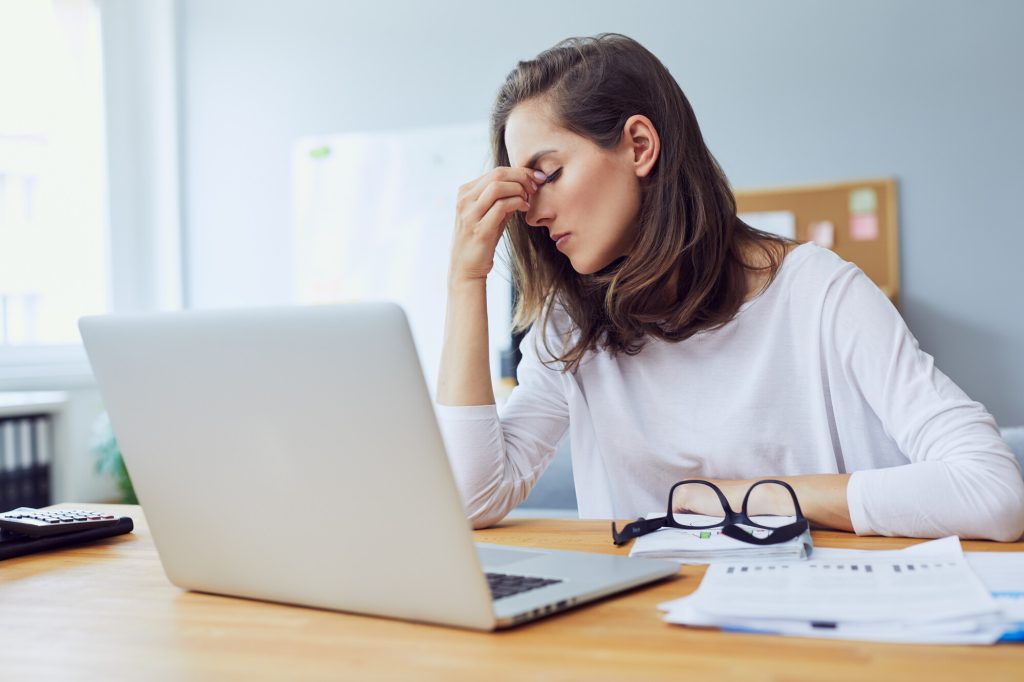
674,341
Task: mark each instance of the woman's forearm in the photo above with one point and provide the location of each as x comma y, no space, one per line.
465,374
822,498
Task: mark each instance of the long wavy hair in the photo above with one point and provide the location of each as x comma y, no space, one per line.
687,223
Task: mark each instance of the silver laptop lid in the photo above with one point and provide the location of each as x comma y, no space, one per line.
291,454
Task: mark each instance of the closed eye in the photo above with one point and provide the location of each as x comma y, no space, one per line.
554,176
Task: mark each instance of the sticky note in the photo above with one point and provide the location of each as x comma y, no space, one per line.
823,233
863,200
863,227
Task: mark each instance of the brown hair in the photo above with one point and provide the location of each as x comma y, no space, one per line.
687,218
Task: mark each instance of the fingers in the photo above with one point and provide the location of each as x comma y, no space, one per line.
493,221
529,179
495,191
482,211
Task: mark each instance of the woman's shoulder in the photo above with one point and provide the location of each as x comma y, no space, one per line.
808,273
809,259
763,258
814,273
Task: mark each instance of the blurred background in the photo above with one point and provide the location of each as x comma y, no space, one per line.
169,154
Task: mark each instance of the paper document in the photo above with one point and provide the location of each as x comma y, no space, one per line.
710,545
926,594
1003,575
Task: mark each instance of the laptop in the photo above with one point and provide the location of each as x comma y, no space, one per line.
292,455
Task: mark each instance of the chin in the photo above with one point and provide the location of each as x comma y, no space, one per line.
582,270
599,267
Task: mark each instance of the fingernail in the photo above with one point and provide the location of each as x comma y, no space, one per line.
539,175
534,186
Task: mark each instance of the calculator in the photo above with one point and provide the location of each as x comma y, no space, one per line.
39,523
27,531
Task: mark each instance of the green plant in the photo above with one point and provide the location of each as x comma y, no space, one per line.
108,457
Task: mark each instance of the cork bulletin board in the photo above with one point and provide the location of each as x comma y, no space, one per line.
856,219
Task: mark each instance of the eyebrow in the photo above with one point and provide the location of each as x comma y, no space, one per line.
536,157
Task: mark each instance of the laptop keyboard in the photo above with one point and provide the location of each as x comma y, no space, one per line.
505,585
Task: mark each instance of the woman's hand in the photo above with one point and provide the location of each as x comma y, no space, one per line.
700,499
482,210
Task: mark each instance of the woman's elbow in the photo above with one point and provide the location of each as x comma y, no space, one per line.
1008,517
1001,516
489,506
485,519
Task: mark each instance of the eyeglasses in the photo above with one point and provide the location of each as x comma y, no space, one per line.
767,494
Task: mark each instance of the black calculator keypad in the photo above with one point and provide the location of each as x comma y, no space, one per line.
40,522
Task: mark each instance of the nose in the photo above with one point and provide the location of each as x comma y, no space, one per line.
539,213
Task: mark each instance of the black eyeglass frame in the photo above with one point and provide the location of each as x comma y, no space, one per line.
729,524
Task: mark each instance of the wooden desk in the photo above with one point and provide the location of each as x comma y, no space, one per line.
106,611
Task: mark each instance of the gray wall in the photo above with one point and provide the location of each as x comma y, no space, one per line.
786,92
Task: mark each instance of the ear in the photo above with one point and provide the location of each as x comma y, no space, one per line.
641,141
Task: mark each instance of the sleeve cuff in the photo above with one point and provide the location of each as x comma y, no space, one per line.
855,503
452,413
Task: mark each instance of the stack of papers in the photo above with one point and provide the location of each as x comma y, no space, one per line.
924,594
706,546
1003,575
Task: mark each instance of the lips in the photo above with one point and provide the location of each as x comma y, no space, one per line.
556,237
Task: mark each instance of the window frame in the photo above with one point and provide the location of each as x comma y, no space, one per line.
143,198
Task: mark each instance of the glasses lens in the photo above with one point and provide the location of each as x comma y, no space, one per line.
770,505
695,505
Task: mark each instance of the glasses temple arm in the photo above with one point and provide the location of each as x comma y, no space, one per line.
636,528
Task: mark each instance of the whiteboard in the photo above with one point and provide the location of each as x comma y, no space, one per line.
373,215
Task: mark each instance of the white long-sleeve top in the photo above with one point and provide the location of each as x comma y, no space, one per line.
818,374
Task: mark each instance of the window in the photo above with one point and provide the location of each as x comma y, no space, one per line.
53,233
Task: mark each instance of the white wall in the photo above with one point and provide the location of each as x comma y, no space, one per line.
787,92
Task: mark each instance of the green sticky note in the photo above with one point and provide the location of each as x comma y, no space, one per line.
320,152
863,200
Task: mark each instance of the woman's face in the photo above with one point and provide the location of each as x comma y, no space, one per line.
592,194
